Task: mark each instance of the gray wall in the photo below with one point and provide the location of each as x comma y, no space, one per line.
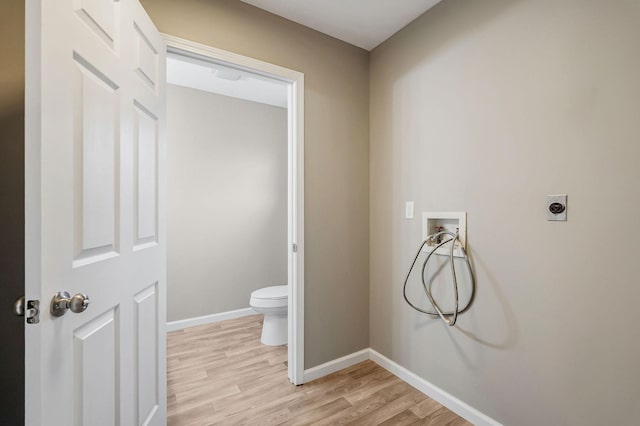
11,209
227,201
488,107
336,156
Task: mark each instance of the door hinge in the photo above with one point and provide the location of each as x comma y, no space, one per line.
295,248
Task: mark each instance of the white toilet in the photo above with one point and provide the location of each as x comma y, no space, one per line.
273,303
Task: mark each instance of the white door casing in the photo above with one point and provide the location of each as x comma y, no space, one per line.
295,179
94,217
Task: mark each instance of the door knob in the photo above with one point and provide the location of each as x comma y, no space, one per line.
18,307
63,301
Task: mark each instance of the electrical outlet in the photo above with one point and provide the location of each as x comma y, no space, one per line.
557,207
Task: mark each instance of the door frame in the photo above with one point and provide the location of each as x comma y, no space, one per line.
295,180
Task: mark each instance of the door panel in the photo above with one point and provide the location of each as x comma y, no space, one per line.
94,161
96,177
146,57
147,347
146,175
100,17
96,370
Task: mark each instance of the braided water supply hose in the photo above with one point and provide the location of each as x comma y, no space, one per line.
449,318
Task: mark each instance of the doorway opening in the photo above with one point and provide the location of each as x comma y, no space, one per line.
283,89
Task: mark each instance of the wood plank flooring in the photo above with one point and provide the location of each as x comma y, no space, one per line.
220,374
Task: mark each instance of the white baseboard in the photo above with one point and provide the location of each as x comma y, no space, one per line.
432,391
206,319
335,365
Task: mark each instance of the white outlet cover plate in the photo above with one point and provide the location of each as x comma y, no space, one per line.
408,210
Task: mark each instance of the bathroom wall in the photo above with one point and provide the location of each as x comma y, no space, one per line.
488,107
226,201
336,156
12,209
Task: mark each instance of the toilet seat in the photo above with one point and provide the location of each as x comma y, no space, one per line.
270,297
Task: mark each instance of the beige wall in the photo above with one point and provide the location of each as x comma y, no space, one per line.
530,97
487,107
12,207
226,201
336,156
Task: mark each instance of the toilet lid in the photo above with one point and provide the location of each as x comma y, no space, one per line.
274,292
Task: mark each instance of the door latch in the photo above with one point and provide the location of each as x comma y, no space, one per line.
32,312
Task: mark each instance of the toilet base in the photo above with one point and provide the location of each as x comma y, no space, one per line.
274,330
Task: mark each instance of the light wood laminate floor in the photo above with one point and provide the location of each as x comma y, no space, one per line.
220,374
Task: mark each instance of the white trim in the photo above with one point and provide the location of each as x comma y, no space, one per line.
295,265
432,391
295,180
183,46
207,319
335,365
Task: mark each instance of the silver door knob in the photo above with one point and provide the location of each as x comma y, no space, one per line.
63,301
18,307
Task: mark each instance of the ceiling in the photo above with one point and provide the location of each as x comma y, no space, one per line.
227,81
364,23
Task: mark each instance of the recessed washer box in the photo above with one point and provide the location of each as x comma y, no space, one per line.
454,222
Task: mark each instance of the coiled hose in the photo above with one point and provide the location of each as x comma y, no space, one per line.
449,318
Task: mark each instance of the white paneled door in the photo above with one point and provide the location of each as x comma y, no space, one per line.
94,226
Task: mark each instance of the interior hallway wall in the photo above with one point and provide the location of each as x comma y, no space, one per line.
226,201
12,209
336,156
488,107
